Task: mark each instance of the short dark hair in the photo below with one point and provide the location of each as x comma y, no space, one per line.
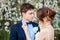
25,7
44,12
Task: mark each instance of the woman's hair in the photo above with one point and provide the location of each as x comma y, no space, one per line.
45,12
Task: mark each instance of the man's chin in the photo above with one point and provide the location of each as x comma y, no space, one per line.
31,20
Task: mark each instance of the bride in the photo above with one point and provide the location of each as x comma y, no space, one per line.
44,16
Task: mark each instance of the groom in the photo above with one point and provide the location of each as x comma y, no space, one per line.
17,32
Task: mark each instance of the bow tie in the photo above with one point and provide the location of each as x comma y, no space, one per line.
29,22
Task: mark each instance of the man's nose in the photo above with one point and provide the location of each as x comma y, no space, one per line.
32,15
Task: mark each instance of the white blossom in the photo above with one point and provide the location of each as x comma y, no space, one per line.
7,23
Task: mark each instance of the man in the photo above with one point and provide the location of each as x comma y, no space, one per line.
17,32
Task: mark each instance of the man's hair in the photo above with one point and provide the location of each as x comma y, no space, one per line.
25,7
44,12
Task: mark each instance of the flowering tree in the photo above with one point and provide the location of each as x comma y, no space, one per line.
10,12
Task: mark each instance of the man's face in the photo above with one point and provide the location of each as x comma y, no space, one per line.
29,15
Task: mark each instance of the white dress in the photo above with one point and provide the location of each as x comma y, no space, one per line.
46,33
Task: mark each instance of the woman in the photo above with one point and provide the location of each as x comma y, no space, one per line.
45,16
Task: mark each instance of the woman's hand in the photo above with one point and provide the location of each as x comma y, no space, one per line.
24,26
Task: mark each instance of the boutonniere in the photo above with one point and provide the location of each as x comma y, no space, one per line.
35,29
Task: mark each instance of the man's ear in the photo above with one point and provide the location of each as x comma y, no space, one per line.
23,13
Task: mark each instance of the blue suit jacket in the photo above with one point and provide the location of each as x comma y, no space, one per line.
17,33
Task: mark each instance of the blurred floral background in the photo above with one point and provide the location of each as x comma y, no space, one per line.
10,14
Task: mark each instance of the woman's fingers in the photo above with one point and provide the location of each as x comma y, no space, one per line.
24,26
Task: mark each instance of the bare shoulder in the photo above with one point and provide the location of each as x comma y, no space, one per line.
46,33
